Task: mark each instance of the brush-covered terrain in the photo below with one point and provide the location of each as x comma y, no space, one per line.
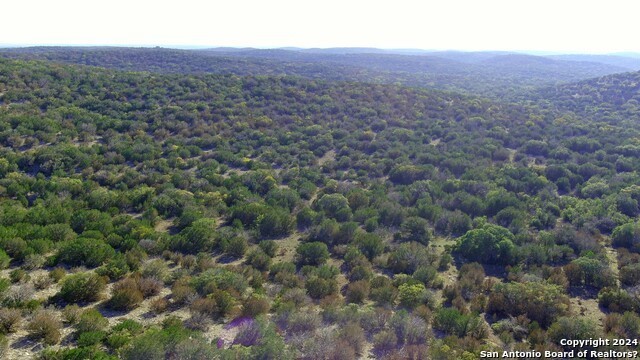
190,215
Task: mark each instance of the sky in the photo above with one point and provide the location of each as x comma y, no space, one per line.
567,26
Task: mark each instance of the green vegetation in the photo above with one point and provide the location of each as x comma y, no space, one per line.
280,217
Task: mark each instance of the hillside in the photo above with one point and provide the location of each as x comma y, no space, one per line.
181,214
612,98
489,74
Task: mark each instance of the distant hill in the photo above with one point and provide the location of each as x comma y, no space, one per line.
490,74
628,62
614,98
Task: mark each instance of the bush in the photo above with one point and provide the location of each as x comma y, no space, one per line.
269,247
412,295
538,301
617,300
205,306
91,338
590,272
259,260
149,286
9,320
82,287
4,260
71,314
155,269
357,291
255,306
313,253
354,336
275,222
318,287
125,296
236,246
572,328
45,326
85,251
384,341
415,229
91,320
453,322
57,274
492,244
159,306
630,274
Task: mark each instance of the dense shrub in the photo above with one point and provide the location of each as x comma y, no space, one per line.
45,326
85,251
538,301
313,253
83,287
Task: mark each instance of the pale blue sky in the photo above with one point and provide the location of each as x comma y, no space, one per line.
540,25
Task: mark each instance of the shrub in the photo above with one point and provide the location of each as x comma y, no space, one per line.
269,247
198,321
206,306
590,272
357,291
82,287
453,322
572,328
259,260
617,300
255,306
627,235
149,286
159,305
4,260
9,320
318,287
91,338
354,336
302,322
249,334
91,320
42,282
415,229
384,341
275,222
125,296
115,268
183,294
538,301
45,326
236,246
630,274
57,274
155,269
71,314
85,251
194,349
313,253
412,295
491,244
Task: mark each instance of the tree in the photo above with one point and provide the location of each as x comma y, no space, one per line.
586,271
82,287
538,301
412,295
415,229
312,253
491,244
85,251
333,204
198,237
627,235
